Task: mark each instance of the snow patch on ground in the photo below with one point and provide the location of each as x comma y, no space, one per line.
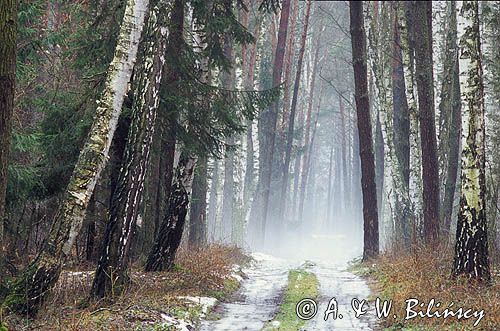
205,302
179,324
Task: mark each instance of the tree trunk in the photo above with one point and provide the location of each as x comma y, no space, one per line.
307,138
8,34
471,249
30,288
228,194
425,86
450,111
112,269
198,212
269,119
162,254
212,203
370,216
401,137
291,122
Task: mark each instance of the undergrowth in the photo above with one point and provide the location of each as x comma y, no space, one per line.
147,300
425,274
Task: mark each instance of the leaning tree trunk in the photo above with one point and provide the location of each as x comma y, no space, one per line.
111,274
8,33
30,288
162,255
471,249
370,215
425,87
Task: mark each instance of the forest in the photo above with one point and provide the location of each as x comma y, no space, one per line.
249,165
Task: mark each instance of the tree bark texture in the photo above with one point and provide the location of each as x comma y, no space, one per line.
422,26
471,248
112,269
370,215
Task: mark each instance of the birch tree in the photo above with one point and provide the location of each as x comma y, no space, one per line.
471,247
112,270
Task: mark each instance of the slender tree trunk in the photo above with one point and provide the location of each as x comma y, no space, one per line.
29,290
401,136
450,110
425,85
162,254
249,182
269,119
212,203
8,34
345,176
112,269
329,199
291,123
471,249
289,55
306,156
370,215
228,194
198,213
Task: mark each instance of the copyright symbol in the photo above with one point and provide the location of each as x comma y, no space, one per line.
306,309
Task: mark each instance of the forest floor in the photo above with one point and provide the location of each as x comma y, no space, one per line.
175,300
424,274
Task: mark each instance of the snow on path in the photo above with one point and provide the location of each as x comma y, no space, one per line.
258,299
344,286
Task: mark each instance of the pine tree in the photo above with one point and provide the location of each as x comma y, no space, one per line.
370,215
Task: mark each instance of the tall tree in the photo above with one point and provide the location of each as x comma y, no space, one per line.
269,119
31,287
8,33
112,270
370,215
228,198
198,212
401,136
471,248
422,26
450,114
291,120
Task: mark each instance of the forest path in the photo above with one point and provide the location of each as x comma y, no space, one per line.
336,282
259,297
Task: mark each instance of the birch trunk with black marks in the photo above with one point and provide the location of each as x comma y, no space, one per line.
112,269
370,215
30,288
401,135
162,254
471,248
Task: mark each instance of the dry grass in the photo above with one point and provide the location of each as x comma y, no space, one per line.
204,272
425,274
